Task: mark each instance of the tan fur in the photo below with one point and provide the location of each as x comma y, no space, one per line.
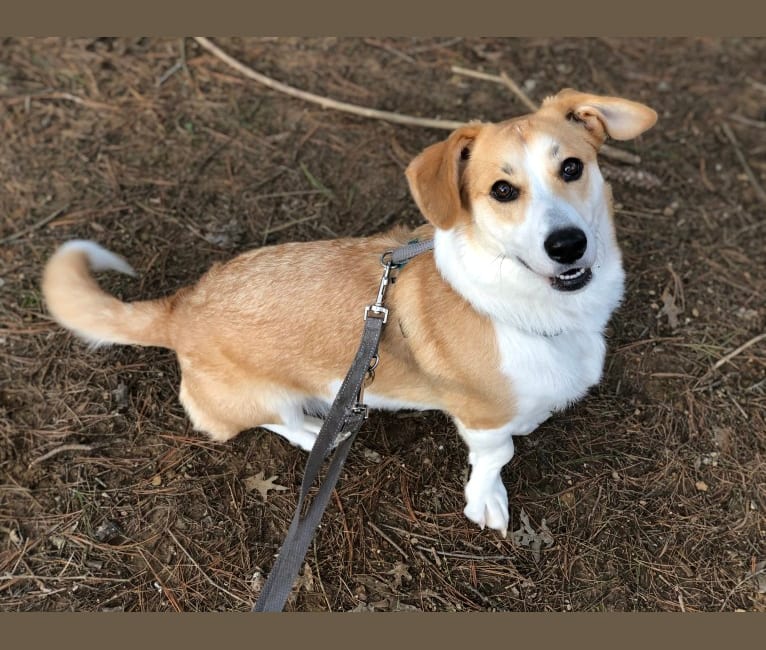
248,330
436,179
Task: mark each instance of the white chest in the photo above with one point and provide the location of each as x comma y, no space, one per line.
547,373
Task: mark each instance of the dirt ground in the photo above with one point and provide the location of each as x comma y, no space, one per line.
647,495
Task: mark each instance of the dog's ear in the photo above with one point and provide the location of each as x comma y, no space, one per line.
434,177
621,119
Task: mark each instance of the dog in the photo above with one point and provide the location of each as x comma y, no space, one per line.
502,325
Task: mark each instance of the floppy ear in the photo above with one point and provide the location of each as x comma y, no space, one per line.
621,119
434,177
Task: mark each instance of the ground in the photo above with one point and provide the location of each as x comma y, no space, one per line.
647,495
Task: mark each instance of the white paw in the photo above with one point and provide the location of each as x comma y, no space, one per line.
487,503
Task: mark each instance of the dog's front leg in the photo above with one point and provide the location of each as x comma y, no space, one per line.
486,499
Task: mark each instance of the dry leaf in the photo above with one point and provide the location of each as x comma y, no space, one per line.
263,486
760,576
257,581
306,580
669,308
401,155
672,303
400,571
526,536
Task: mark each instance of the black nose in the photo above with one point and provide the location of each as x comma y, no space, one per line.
566,245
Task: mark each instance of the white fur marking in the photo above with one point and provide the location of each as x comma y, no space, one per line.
99,258
304,437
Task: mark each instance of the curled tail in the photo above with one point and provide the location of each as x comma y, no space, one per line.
77,302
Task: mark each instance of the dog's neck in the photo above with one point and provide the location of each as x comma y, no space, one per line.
503,290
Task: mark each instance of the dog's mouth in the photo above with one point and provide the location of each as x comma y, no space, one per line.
572,280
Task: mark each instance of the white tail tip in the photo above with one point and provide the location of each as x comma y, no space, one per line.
99,258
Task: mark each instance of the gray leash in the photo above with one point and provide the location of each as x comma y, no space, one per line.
340,427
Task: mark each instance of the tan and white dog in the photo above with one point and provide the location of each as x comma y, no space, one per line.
499,327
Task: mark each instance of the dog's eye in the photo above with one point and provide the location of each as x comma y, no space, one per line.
504,191
571,169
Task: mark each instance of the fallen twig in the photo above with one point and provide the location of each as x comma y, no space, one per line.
178,65
289,224
743,161
38,224
749,576
516,90
388,539
32,576
61,96
739,350
606,150
398,118
746,120
325,102
756,84
387,48
208,579
60,450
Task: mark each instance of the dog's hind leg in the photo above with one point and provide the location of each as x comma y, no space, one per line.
222,410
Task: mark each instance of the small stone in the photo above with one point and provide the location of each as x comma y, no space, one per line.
120,396
157,481
701,486
107,532
256,582
529,85
372,455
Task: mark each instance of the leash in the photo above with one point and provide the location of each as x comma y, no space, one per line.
344,419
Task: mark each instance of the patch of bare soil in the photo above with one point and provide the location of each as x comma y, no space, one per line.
648,495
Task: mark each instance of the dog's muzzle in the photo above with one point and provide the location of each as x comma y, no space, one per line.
566,246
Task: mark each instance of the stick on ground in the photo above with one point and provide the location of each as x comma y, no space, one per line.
325,102
743,161
740,349
60,450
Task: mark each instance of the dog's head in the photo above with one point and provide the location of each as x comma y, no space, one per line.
529,190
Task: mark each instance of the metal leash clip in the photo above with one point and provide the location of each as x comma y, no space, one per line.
377,310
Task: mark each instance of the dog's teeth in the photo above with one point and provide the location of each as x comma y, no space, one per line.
571,275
